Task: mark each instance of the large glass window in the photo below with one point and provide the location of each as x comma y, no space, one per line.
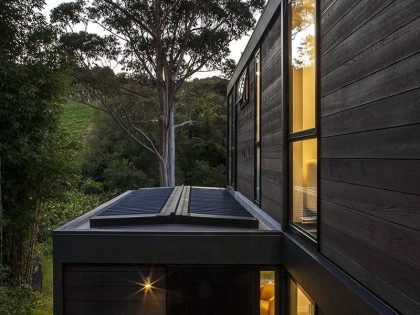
303,145
304,190
300,303
258,128
302,68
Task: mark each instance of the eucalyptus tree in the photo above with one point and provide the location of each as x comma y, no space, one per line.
160,42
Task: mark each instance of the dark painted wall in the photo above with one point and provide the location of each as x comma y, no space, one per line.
370,145
113,289
246,138
272,123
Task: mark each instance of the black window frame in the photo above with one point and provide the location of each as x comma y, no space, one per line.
312,133
244,99
257,144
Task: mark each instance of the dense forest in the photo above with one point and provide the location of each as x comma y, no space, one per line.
86,116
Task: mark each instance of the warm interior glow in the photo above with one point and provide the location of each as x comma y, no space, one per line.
302,68
267,293
300,304
304,170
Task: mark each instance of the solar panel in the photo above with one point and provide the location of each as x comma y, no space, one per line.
215,202
142,201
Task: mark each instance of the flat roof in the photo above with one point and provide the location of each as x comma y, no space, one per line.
172,210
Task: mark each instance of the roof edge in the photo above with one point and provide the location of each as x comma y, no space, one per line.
265,19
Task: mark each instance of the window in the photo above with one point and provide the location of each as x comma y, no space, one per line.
267,292
299,303
232,142
303,145
242,88
257,193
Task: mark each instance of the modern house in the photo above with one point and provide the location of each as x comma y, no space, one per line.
321,214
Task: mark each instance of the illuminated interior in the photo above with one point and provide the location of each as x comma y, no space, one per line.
267,293
302,45
304,170
300,304
303,147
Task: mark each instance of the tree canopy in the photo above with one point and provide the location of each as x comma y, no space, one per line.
161,42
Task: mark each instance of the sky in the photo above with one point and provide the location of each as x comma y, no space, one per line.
236,47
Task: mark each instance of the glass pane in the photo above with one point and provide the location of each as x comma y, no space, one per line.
304,177
302,68
299,302
257,127
258,174
267,292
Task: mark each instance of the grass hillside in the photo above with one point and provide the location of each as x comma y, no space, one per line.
76,119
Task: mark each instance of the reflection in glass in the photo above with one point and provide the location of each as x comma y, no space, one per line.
300,304
304,177
258,128
302,67
242,88
267,292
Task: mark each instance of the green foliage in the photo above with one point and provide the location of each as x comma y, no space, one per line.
15,300
33,79
201,152
115,161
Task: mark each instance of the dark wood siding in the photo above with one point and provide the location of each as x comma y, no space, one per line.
271,120
211,290
96,289
246,138
370,145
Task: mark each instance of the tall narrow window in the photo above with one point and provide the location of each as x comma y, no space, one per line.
300,303
229,136
267,292
258,128
302,116
232,142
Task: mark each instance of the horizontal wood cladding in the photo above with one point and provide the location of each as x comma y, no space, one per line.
392,143
398,110
394,175
272,121
101,289
396,47
380,27
246,140
396,207
355,18
370,145
395,79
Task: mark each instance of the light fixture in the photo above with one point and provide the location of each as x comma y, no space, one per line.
147,285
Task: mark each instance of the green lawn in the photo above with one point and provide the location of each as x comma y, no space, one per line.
76,119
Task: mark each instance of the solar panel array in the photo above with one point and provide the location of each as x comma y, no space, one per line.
215,202
142,201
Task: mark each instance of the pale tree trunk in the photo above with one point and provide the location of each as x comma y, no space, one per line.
171,145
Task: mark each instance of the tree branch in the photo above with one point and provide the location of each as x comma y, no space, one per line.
188,122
